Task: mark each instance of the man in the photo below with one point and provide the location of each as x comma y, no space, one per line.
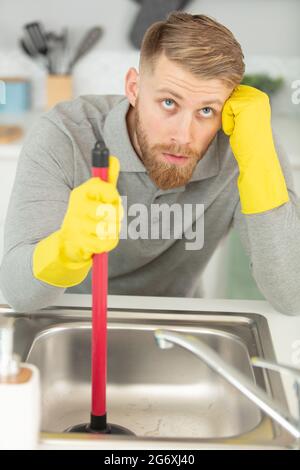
186,133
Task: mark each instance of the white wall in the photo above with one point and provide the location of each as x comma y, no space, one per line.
268,31
267,27
263,27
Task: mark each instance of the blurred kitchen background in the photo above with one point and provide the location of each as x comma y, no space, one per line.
68,49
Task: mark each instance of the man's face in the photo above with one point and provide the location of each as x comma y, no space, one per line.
174,119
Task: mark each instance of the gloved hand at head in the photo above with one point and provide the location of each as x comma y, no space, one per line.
91,225
246,118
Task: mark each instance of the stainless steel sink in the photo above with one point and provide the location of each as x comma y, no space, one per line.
159,395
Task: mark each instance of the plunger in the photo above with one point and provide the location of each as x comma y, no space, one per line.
98,421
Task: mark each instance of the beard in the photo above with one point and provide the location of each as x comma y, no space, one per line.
164,174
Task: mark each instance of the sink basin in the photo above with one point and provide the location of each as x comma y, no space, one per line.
157,394
154,393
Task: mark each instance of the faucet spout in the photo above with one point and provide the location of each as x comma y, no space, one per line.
166,339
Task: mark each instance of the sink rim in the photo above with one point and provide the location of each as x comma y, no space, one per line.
61,327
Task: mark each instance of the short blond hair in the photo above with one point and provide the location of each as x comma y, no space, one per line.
198,43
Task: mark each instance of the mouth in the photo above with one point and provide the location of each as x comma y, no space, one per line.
177,159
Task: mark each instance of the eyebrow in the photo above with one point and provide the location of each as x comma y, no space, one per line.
204,102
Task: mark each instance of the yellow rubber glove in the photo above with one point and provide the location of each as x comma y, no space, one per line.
91,225
246,118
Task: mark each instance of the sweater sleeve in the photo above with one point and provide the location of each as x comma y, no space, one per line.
36,209
272,242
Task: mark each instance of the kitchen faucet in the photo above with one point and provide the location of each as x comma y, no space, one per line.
166,340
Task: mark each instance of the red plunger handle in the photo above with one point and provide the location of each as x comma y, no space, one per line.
99,322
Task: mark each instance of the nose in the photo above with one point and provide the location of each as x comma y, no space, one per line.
183,130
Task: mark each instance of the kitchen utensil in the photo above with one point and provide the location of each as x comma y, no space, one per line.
30,50
63,51
85,45
57,45
38,36
39,40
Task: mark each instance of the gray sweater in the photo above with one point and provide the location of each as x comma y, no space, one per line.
56,158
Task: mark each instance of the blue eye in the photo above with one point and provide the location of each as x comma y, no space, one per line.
167,103
209,113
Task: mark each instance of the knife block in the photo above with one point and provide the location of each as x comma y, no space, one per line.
59,88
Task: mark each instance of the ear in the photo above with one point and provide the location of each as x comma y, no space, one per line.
132,85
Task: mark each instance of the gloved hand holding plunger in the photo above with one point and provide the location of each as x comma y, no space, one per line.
64,258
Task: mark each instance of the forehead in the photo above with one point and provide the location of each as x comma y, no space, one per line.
168,76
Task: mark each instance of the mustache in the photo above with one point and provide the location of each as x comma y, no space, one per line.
176,149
